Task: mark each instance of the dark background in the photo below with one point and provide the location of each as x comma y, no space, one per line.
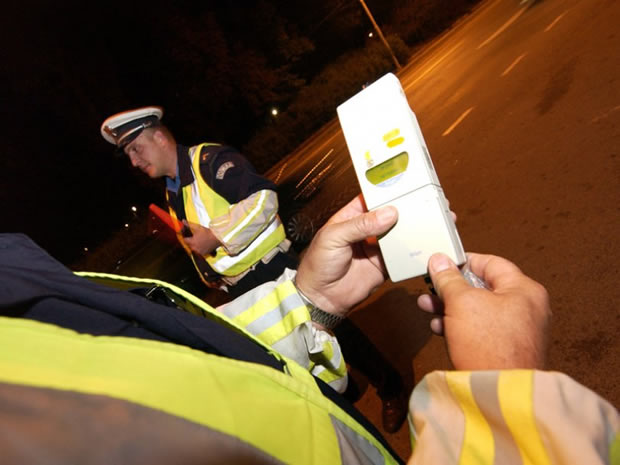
216,67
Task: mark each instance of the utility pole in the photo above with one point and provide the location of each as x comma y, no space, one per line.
372,20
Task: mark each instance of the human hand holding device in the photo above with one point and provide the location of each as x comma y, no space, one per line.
502,327
342,266
199,239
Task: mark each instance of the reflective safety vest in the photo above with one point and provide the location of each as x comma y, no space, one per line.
202,204
245,406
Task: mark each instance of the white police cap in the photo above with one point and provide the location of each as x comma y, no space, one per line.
120,129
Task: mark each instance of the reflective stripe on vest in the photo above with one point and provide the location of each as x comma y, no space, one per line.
202,204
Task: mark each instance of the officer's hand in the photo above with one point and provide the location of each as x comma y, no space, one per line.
501,328
342,266
202,240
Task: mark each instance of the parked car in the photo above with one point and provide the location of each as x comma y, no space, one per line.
310,193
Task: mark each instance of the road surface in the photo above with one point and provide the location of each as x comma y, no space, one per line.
520,107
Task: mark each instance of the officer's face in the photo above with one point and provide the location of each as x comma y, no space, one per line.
146,155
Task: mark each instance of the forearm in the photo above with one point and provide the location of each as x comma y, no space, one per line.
457,417
245,221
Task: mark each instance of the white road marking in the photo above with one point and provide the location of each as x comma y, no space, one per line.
457,122
503,28
554,22
606,114
514,63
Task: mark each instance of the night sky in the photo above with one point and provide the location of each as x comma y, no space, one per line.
217,71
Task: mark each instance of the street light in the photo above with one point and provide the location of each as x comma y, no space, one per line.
372,20
274,111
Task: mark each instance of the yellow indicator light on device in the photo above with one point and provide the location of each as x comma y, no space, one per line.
391,134
394,142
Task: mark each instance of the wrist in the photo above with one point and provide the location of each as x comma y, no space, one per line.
321,318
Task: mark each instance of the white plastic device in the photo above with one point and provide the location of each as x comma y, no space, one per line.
393,167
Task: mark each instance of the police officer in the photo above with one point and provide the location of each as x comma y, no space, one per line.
232,230
237,241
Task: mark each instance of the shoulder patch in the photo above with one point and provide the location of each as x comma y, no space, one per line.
221,171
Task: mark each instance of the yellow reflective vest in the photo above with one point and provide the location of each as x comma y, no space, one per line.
281,415
203,205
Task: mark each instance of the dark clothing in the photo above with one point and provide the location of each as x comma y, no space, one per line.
35,286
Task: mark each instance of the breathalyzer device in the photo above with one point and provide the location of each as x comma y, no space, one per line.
394,167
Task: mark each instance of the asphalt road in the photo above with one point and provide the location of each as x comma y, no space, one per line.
520,107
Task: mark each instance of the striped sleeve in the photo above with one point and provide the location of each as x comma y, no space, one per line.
511,417
275,314
245,221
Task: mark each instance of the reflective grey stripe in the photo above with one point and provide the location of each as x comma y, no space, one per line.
586,427
228,261
201,210
239,305
354,448
103,429
294,346
236,307
420,397
275,316
437,413
249,216
484,389
333,362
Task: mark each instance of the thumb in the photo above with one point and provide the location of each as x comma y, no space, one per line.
365,225
447,279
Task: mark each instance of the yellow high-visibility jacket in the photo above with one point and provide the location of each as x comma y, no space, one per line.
217,188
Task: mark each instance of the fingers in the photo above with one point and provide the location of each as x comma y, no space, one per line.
502,275
437,326
364,225
430,303
447,278
498,272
